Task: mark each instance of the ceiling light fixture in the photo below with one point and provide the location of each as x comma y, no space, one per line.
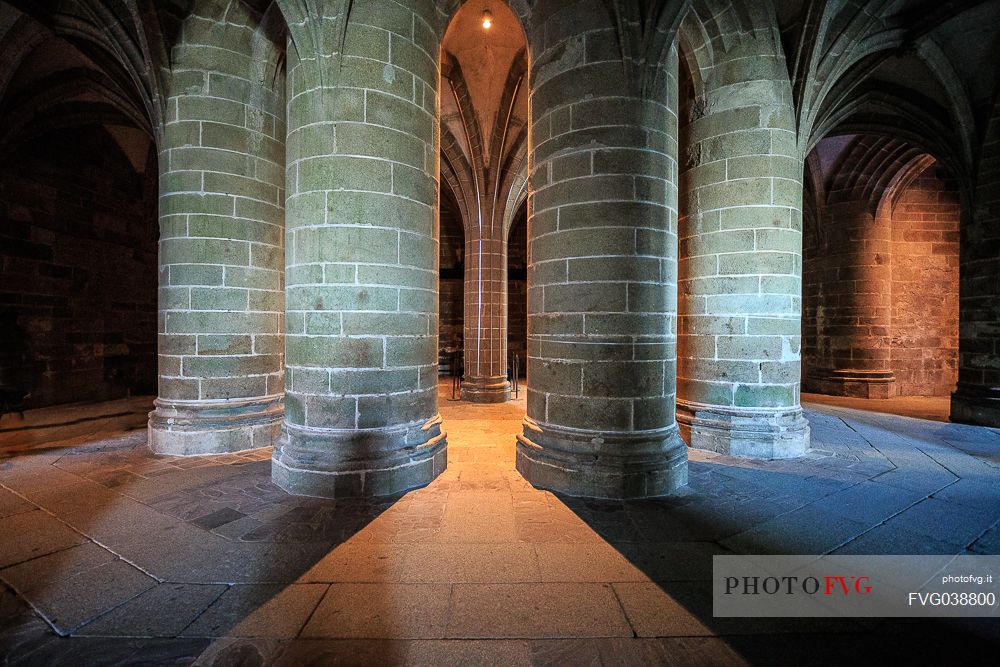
487,20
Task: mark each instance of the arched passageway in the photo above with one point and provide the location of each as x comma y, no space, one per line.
484,129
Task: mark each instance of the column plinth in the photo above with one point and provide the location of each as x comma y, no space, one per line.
856,383
486,389
187,428
761,434
580,462
976,404
369,462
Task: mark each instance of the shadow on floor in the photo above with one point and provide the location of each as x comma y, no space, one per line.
147,563
729,509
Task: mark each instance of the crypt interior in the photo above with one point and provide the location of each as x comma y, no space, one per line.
468,332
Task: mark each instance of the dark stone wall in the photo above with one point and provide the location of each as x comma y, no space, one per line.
78,276
925,230
977,398
517,290
452,249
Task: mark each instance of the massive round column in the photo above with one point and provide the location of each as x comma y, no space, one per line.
602,263
851,283
221,199
362,251
741,260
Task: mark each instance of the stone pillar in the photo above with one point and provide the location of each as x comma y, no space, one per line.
855,297
485,339
221,238
977,397
361,412
741,261
602,264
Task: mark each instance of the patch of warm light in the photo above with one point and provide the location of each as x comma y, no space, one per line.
487,20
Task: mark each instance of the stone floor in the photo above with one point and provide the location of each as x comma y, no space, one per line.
112,556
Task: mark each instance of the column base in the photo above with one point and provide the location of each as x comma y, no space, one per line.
780,433
193,428
337,463
486,390
974,404
602,464
853,383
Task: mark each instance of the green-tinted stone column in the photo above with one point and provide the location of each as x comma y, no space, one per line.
602,264
741,261
361,412
221,237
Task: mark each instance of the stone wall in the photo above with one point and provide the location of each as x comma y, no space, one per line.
977,398
77,269
847,296
450,297
517,290
881,290
925,224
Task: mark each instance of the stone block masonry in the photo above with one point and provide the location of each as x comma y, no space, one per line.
741,258
362,254
848,299
77,269
296,150
602,264
925,289
483,124
517,290
221,243
881,285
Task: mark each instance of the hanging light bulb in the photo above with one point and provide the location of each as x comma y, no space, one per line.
487,20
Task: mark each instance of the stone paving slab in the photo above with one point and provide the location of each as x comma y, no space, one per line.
32,534
536,610
162,611
946,521
68,603
381,611
252,610
895,539
62,565
869,502
803,531
472,563
11,503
